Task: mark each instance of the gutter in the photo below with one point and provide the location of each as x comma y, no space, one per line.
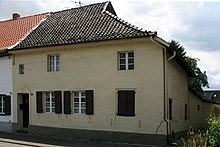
165,61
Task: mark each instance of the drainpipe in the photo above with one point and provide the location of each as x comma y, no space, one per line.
165,84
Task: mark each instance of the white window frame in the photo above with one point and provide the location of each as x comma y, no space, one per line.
51,103
126,58
53,63
80,95
2,105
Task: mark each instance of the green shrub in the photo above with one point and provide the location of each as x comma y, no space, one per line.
214,131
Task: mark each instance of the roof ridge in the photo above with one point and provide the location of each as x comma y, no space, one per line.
8,20
89,5
125,22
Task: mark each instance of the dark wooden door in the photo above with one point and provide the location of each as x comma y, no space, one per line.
25,110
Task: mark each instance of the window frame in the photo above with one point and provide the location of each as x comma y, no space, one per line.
53,63
2,110
125,58
80,97
51,103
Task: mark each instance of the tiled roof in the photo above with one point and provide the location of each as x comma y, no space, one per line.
11,31
94,22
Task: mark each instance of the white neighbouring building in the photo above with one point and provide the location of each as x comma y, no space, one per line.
5,92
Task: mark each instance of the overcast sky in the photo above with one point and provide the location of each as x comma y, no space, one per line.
196,25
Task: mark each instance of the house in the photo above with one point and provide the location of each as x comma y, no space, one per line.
202,107
11,32
85,73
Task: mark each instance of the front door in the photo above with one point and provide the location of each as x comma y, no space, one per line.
25,105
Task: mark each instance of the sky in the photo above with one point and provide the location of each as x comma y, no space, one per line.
194,24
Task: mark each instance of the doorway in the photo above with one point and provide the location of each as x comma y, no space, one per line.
25,108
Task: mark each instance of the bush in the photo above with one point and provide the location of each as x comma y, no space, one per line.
214,131
210,137
196,138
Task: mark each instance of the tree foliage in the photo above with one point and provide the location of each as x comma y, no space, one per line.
201,80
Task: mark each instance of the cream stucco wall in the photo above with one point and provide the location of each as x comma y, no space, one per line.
196,109
93,66
198,116
177,84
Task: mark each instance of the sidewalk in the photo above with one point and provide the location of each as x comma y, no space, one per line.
21,139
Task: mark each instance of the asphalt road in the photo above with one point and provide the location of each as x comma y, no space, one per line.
27,140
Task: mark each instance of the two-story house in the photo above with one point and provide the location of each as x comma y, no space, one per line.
11,32
85,73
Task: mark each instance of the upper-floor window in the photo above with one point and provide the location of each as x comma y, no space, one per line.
126,60
21,68
53,63
2,105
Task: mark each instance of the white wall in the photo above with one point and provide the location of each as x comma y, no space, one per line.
6,87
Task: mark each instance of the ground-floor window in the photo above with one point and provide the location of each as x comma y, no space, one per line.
5,104
2,105
50,102
126,103
79,102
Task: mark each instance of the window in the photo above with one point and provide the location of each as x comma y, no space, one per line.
126,60
198,107
2,105
170,109
5,105
53,101
186,112
79,102
82,102
53,63
21,68
50,102
126,103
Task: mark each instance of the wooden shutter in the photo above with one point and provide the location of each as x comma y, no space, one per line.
7,105
67,108
121,103
130,103
58,102
39,95
89,102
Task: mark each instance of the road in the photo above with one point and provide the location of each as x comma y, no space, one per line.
27,140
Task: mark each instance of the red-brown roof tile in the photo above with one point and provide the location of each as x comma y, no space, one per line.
12,31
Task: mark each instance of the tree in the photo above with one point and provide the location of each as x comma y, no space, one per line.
201,80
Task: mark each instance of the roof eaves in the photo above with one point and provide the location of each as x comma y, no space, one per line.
4,53
202,98
183,64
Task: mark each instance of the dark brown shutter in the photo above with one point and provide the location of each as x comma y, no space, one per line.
121,103
89,102
39,101
67,108
130,103
7,105
58,102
